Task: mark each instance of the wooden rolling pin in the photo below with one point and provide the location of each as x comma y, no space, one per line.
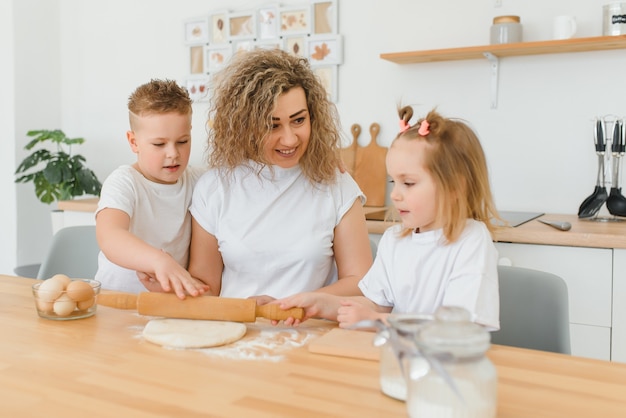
201,307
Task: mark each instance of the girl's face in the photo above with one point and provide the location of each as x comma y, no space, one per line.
291,129
414,192
162,143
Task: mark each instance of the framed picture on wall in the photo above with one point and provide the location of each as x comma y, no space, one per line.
242,25
267,22
328,77
198,88
197,30
218,27
217,56
325,50
324,17
295,20
269,44
296,45
196,59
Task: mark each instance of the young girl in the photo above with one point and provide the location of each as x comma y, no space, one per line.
443,253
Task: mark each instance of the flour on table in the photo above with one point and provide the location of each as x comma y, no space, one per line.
263,341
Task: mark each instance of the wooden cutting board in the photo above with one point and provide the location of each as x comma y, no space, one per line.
346,343
348,154
369,169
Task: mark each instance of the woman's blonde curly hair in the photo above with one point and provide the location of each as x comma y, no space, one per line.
243,99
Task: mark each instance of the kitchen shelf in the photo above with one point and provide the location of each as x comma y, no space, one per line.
598,43
494,52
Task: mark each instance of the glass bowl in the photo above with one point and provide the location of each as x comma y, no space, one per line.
61,298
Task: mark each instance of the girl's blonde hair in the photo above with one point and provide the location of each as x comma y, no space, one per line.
456,161
240,116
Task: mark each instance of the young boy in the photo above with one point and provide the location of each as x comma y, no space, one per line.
143,223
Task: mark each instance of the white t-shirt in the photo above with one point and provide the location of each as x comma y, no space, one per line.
275,232
418,273
159,215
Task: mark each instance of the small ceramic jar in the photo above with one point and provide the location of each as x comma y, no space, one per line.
506,30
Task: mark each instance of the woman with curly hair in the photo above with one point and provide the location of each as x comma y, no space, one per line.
274,215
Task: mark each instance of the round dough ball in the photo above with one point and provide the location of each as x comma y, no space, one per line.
79,291
64,306
192,333
62,278
49,290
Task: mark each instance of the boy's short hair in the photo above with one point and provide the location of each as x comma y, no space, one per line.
159,96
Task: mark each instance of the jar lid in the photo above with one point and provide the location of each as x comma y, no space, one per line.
408,324
506,19
454,333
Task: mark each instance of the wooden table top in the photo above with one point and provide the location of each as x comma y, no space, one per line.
101,367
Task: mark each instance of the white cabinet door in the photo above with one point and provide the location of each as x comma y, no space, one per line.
590,341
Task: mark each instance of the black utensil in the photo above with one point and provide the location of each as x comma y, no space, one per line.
592,204
616,203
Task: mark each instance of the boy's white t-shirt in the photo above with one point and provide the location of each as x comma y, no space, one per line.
274,231
418,273
159,215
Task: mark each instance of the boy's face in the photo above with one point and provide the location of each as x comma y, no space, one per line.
162,143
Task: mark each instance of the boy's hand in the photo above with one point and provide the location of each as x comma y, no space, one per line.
172,277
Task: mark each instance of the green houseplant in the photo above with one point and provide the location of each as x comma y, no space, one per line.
56,175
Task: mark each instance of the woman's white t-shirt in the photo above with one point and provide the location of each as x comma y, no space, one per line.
419,273
159,215
274,230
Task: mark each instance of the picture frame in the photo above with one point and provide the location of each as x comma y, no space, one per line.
198,88
196,59
242,25
327,75
217,56
324,19
267,23
218,27
325,50
243,46
269,44
294,20
296,45
196,30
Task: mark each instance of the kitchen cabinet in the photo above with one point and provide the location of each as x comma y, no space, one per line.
618,341
494,52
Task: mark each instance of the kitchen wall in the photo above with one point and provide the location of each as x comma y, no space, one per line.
76,61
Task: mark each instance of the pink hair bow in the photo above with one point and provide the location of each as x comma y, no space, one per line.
404,126
424,128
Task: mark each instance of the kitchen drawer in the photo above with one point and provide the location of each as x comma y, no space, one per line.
590,341
588,273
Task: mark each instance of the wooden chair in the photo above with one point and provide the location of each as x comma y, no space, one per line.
73,252
534,310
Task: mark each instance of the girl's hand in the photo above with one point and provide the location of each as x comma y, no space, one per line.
352,312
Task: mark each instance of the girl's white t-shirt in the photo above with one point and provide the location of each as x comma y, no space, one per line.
159,215
418,273
275,230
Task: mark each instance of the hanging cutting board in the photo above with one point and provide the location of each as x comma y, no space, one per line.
346,343
369,169
348,154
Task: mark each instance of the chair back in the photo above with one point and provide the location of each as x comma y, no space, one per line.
534,310
73,252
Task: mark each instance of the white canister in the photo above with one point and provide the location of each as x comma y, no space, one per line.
614,19
506,30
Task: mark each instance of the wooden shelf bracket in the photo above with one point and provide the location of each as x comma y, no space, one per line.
494,64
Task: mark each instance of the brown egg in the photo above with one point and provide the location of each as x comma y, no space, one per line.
44,306
83,305
64,306
79,291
